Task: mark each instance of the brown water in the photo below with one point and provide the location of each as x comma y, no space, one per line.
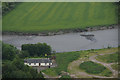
69,42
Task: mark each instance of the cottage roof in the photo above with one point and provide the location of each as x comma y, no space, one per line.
37,60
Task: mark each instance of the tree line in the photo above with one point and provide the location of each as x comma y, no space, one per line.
39,49
13,65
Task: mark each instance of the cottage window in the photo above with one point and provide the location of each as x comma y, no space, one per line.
42,64
29,63
47,64
50,63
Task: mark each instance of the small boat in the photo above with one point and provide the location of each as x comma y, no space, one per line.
86,34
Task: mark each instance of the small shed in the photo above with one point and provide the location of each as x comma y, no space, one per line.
38,62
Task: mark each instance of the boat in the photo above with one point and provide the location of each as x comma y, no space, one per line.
86,34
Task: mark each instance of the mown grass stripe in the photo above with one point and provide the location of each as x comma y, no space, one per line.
48,13
52,16
60,12
52,12
30,11
46,7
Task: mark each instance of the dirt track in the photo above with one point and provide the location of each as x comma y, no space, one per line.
73,67
75,72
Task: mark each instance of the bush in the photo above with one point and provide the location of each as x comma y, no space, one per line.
107,73
39,49
115,66
23,54
91,67
8,6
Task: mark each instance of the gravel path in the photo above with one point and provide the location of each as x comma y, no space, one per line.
108,65
73,67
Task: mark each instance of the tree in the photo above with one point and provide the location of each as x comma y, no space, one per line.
8,52
39,49
7,68
8,6
19,63
23,54
17,69
40,76
13,65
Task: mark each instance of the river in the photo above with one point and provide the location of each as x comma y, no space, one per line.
70,41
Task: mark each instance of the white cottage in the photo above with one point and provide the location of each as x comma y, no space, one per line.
38,62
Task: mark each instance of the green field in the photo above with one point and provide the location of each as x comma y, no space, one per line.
108,58
53,16
94,68
62,59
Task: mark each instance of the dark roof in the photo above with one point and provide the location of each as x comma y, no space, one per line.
37,60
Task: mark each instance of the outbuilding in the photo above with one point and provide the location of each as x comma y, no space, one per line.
43,62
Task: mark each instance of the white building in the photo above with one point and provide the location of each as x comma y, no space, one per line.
38,62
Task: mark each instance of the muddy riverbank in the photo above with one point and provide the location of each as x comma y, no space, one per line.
59,32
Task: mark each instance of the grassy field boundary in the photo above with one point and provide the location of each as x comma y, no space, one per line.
54,17
61,31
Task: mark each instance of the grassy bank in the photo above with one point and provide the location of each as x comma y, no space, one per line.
64,60
45,16
115,66
108,58
91,67
95,68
